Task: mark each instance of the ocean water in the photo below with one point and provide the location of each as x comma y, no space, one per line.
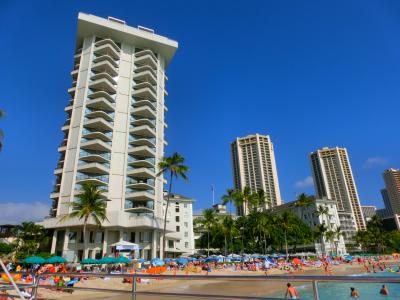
341,290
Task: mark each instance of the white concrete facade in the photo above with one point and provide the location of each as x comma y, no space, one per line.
309,216
114,136
333,179
254,166
180,218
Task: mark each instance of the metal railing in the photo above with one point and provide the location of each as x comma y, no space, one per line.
314,280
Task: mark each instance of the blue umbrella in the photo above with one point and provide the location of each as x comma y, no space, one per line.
89,261
123,260
182,261
56,260
34,260
108,260
168,260
157,262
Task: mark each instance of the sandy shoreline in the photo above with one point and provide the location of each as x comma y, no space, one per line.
259,288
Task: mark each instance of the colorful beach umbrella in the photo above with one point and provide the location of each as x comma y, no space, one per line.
108,260
56,260
34,260
182,261
89,261
123,260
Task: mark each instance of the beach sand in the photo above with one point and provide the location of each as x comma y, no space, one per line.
260,288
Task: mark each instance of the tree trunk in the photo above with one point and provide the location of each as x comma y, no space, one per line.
85,250
286,248
208,243
226,247
165,216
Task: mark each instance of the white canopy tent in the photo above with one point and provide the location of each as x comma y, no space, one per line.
124,245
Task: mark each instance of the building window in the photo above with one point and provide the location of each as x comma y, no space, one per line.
99,237
186,244
178,228
170,244
72,237
133,237
186,234
125,236
91,237
177,219
177,207
186,224
185,205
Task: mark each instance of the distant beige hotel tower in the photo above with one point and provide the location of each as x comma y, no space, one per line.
392,183
254,166
333,179
113,138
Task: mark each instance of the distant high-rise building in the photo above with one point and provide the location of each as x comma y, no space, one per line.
113,138
388,211
368,211
254,166
392,184
333,179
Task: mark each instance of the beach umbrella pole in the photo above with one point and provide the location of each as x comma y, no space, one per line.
12,280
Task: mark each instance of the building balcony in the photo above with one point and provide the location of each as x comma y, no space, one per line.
65,127
145,75
95,156
95,134
107,49
142,85
99,123
103,84
142,151
140,183
96,180
54,195
95,113
143,130
58,171
133,194
142,141
145,111
136,122
71,91
141,172
93,167
144,102
98,94
100,103
62,149
147,162
146,58
104,75
74,74
95,144
109,42
105,66
106,57
145,93
139,206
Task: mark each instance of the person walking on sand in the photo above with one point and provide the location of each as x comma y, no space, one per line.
354,293
384,291
291,291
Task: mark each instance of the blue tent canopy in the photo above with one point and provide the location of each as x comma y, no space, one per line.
157,262
182,261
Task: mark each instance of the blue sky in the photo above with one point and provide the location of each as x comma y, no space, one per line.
308,73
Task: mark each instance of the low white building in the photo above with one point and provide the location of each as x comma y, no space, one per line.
180,218
310,216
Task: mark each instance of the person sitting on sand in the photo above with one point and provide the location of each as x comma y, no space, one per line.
291,291
384,291
354,293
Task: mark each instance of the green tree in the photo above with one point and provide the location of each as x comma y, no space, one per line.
90,203
338,234
29,236
174,165
208,221
228,229
303,201
229,197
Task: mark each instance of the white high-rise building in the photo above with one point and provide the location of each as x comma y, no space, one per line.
254,166
180,218
392,184
113,138
333,179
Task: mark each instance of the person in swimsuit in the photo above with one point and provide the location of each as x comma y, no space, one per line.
384,291
292,292
354,293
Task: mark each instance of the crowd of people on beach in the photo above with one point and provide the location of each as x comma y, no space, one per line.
205,266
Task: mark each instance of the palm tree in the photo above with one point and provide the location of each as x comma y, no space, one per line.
208,221
227,227
258,199
245,197
330,236
174,165
2,114
229,197
338,234
29,236
286,221
303,201
90,204
324,211
321,229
